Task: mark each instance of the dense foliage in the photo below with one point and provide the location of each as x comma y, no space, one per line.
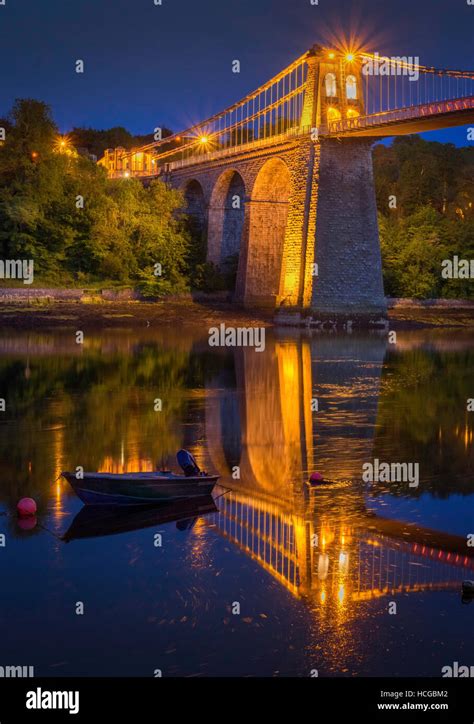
59,209
425,196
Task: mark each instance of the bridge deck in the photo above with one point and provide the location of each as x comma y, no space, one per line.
413,119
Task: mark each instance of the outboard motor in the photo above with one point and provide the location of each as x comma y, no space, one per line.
187,463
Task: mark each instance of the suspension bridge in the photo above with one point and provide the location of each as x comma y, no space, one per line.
281,182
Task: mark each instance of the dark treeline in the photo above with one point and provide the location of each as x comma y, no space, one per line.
425,197
427,425
95,142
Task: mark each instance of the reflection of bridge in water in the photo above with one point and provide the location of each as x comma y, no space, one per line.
345,562
323,543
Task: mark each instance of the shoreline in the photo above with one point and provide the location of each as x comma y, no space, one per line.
187,312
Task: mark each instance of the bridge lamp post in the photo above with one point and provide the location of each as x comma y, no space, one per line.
201,140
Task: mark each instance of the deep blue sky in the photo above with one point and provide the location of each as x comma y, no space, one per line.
148,65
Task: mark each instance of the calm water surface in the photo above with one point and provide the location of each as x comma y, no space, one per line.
314,571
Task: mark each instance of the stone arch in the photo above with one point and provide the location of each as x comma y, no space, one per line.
195,205
267,230
226,217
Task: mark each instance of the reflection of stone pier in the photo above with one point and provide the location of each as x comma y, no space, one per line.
320,543
271,404
263,421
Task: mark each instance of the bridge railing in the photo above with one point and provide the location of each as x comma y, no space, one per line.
396,83
273,141
385,118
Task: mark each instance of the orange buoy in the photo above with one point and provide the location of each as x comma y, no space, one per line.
26,507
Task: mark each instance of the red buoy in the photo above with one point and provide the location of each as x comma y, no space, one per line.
26,507
27,523
316,479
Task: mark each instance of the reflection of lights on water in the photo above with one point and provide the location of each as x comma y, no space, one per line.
323,566
327,537
58,505
198,549
465,434
467,437
343,562
133,464
374,543
341,594
323,596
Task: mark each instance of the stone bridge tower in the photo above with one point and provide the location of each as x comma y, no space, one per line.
305,225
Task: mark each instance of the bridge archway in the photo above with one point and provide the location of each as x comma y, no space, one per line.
268,220
226,219
197,216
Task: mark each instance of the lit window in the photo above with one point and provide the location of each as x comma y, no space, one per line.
351,87
331,87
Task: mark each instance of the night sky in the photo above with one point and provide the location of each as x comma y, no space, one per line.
170,65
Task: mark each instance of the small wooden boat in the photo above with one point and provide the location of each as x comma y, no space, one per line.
138,488
94,521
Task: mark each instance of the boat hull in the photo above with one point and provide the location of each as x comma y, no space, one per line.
95,521
138,488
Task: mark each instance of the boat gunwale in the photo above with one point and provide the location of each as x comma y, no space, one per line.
137,477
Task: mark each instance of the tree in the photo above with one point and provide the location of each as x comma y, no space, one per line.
433,185
60,210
